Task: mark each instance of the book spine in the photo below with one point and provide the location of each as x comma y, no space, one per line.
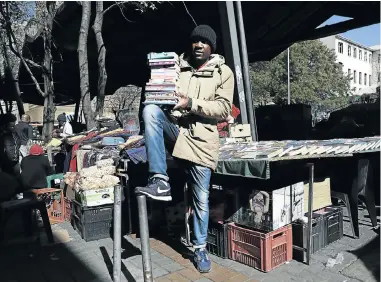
163,55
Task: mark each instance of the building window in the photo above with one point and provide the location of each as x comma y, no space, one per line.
360,54
379,77
370,58
370,80
365,79
350,73
349,50
360,77
354,76
379,58
354,52
365,56
341,47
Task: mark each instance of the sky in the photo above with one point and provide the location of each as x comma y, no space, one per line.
368,35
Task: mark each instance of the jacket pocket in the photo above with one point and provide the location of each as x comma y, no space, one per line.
205,132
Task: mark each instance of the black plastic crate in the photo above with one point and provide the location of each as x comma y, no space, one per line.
299,237
217,241
92,214
92,231
333,224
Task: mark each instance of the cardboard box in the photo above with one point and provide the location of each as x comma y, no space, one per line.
321,196
269,211
240,130
96,197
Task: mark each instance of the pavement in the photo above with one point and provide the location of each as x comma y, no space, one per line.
72,259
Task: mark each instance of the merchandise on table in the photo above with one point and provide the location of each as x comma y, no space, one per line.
163,83
269,211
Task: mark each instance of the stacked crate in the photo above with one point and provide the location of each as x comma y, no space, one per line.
327,227
261,233
92,223
163,84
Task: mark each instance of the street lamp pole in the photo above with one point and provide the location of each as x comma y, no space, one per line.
288,77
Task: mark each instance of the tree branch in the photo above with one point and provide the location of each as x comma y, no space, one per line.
17,52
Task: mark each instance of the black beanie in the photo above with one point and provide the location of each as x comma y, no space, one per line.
207,33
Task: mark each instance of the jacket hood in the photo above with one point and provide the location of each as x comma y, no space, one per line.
215,61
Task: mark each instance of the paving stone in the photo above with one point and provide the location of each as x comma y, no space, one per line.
173,267
157,272
203,279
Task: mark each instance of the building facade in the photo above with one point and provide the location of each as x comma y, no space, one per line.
356,60
376,79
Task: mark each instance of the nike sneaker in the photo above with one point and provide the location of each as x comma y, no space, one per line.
157,189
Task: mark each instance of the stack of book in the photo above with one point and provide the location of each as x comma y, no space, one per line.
163,84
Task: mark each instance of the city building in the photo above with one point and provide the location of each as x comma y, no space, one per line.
360,62
376,79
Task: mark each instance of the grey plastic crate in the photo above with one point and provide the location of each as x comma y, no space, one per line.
217,241
92,214
299,237
333,224
92,231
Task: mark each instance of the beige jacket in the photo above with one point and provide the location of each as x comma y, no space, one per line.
211,88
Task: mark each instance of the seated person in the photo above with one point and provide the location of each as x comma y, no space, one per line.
35,168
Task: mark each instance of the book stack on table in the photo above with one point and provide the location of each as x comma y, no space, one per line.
163,84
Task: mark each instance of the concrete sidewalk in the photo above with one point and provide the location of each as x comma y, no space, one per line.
80,261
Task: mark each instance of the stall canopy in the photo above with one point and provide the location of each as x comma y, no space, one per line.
129,35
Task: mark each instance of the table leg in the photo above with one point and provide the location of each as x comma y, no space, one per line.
144,238
117,233
310,205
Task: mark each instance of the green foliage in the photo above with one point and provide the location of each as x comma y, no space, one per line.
315,78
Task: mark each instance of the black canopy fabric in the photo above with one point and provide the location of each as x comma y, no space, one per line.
129,35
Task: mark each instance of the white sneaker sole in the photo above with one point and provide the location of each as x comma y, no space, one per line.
158,198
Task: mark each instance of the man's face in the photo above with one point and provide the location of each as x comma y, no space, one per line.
201,50
11,126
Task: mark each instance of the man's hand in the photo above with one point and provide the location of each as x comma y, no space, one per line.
183,101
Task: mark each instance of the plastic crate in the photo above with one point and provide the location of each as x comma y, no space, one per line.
333,224
54,201
299,237
92,231
67,209
217,240
263,251
92,214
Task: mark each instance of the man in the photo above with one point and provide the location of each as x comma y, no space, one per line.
65,127
25,133
190,132
10,146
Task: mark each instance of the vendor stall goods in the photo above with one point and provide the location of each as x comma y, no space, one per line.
269,211
163,84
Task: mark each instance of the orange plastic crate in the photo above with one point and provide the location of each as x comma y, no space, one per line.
55,204
263,251
67,209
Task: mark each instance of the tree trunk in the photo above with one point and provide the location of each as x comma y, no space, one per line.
102,74
49,107
16,89
84,64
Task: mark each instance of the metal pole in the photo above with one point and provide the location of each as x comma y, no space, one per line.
288,77
144,238
245,70
117,233
231,48
310,205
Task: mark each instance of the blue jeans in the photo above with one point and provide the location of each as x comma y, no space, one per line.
161,134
